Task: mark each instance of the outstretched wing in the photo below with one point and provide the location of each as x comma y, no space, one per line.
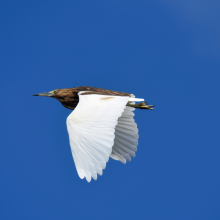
91,128
126,137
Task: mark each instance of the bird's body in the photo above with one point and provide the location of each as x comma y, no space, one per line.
69,98
101,126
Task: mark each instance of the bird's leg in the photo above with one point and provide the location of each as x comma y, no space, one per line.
142,105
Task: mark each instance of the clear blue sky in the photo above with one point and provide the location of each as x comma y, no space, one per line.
165,51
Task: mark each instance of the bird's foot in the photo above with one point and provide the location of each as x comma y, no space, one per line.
142,105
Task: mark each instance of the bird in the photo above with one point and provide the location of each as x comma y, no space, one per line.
100,126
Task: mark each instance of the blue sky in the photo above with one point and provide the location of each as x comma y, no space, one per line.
164,51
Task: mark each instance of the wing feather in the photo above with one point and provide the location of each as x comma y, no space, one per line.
91,128
126,137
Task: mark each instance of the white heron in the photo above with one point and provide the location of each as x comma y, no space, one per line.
101,126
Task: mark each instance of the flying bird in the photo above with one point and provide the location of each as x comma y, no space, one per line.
101,126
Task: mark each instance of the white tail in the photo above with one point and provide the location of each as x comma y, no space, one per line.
135,100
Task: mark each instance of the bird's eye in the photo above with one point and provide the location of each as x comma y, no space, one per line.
53,91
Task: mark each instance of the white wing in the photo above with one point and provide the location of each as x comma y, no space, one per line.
91,128
126,137
126,134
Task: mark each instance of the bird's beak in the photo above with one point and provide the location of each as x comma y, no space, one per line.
48,94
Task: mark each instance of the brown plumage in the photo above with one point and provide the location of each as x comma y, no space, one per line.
69,98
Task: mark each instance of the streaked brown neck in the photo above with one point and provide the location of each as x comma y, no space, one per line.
68,97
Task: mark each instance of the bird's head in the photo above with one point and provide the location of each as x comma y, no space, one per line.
48,94
68,97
